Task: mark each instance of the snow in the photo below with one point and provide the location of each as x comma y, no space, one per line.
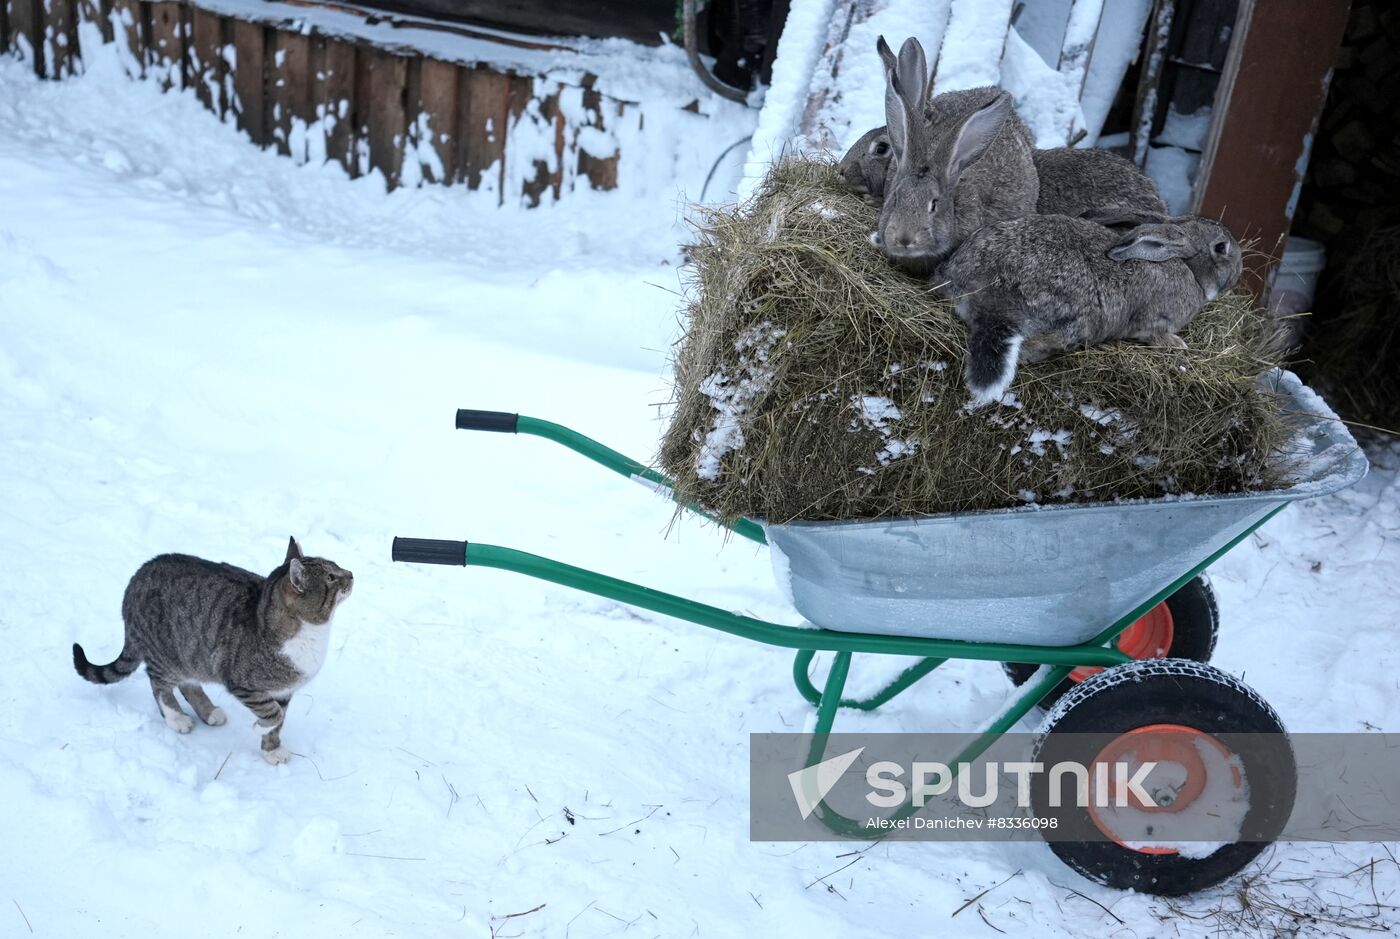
1185,130
1047,100
205,348
972,45
1117,46
731,396
1218,810
1173,169
855,97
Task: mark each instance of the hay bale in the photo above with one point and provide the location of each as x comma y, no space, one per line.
815,381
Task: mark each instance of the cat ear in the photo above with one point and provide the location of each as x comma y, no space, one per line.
293,549
296,574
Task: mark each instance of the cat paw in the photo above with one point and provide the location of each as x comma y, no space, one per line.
277,756
180,723
216,718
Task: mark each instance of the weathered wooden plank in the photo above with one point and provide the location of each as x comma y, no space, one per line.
642,21
25,41
383,123
207,66
435,125
484,108
249,103
535,186
128,32
599,169
60,36
333,95
290,93
522,92
1271,93
166,62
1149,90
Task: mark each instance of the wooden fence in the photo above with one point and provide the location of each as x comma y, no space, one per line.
413,118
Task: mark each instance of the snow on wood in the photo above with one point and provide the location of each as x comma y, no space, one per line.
971,52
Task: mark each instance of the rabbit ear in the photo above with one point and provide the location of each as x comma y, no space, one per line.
896,113
913,76
886,54
976,134
1153,243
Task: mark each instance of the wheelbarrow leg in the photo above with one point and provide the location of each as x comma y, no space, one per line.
801,676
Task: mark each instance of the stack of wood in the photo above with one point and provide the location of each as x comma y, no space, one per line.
1353,182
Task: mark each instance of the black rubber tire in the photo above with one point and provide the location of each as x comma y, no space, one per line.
1166,691
1195,624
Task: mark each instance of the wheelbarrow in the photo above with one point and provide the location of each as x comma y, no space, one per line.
1101,614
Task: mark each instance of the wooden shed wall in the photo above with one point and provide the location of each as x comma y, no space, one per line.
412,118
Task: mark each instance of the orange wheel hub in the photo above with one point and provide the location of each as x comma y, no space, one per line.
1149,638
1154,743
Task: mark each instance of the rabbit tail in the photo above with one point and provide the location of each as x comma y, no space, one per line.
993,346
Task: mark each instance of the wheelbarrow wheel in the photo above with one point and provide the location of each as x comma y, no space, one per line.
1220,788
1183,626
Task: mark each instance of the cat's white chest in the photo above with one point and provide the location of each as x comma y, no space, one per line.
307,649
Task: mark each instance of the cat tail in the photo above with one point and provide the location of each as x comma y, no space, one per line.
125,664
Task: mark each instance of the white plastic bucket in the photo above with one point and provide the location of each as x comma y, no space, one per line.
1296,283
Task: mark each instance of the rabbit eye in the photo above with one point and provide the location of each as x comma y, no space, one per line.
1222,247
879,148
932,206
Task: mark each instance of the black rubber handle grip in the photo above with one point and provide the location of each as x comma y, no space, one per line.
499,422
430,551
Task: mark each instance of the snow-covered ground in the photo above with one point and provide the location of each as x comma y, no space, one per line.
204,348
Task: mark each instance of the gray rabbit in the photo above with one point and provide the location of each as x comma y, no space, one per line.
1034,286
866,165
957,166
1076,182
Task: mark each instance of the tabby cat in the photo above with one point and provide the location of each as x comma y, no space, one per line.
262,638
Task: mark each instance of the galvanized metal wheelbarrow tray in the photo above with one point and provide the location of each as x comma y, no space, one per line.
1053,586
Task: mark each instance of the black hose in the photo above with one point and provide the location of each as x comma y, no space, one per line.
715,166
709,80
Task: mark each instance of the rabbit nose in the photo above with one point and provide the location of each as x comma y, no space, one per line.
904,241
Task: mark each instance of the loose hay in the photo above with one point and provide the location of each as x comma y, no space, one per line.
815,381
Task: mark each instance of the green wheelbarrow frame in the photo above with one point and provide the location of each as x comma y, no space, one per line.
1057,661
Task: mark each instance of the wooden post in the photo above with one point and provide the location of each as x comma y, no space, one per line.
435,123
206,56
25,42
333,94
289,93
601,172
484,101
250,79
1149,89
167,58
1271,93
381,85
60,33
